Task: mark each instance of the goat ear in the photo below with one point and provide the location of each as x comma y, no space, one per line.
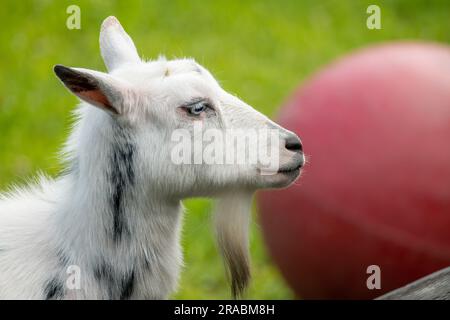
116,46
96,88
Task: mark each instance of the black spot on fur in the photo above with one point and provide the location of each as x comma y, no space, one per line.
54,289
122,177
127,287
104,274
118,286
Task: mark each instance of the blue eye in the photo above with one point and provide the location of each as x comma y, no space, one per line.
197,108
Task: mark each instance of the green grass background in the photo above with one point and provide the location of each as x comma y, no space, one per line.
260,50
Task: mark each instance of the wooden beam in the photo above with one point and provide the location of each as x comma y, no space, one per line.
435,286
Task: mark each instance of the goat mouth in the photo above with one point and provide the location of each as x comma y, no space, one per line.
289,170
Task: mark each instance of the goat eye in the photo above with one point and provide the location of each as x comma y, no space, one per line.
197,108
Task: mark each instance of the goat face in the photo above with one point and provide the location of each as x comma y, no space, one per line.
174,111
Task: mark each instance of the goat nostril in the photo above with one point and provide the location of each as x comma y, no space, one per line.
294,144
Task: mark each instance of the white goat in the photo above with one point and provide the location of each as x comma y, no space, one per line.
115,212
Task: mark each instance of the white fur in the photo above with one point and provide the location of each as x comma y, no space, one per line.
52,224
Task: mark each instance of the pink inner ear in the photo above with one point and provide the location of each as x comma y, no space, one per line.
98,98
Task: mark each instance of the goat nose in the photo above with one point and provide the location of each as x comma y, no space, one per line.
293,143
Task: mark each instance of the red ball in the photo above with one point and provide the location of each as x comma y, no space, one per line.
376,130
